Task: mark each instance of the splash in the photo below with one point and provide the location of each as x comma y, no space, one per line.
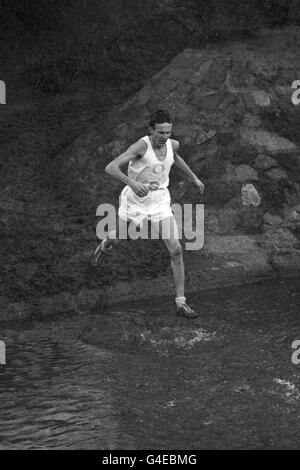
178,338
291,392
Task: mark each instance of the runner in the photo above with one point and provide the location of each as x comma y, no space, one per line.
146,196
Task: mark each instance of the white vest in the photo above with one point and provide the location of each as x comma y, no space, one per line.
149,169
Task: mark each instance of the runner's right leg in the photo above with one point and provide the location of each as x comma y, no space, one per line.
120,233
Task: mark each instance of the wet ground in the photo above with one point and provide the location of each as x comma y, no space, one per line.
137,377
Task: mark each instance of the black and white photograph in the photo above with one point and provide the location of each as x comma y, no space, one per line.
150,227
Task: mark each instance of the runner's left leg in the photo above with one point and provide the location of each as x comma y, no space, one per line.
169,233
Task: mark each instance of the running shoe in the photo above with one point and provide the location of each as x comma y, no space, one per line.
183,310
99,253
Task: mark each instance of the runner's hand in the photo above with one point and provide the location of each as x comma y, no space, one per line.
199,185
139,189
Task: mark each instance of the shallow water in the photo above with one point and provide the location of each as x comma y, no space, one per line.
137,377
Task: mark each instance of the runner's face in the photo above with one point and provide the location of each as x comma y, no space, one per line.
161,133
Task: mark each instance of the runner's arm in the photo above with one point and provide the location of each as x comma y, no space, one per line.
114,167
180,163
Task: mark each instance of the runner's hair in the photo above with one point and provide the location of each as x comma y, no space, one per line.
158,117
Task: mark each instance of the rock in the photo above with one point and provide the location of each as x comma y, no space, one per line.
283,90
238,74
268,141
261,98
222,221
233,264
217,73
180,73
236,202
139,321
212,223
250,196
166,86
240,174
251,120
273,192
182,112
251,219
230,244
237,108
249,102
198,76
287,261
264,162
272,220
277,174
181,93
278,239
101,149
223,192
144,96
292,193
241,252
228,100
256,263
291,162
292,216
209,102
204,136
228,220
187,134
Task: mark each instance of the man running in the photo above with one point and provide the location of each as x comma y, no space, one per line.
146,195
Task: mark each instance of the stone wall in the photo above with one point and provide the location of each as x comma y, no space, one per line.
238,130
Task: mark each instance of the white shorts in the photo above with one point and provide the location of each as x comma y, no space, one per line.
155,207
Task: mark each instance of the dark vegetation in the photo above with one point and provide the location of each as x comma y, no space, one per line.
55,45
